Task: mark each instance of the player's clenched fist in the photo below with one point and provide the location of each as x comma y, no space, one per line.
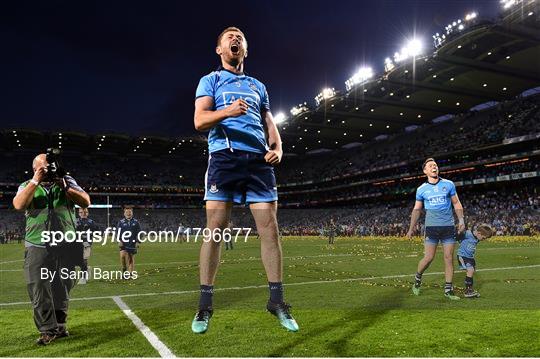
237,108
273,157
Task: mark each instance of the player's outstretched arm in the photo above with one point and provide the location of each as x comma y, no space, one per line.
274,140
415,216
206,117
458,208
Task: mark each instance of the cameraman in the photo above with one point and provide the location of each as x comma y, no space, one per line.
48,200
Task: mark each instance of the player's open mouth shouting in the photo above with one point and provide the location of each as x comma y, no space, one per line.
235,48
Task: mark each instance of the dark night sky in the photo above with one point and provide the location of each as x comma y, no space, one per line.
133,66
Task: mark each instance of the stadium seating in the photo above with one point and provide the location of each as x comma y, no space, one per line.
367,189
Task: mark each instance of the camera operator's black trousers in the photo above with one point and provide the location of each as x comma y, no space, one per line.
49,299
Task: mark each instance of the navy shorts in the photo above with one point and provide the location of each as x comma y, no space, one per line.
239,177
130,250
444,234
465,262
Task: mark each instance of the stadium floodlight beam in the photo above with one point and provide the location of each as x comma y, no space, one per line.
279,118
388,64
325,94
471,16
506,4
413,48
328,93
362,75
301,108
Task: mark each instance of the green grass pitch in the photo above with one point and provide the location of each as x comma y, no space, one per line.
350,299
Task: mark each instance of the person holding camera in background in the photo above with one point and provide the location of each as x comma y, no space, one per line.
48,199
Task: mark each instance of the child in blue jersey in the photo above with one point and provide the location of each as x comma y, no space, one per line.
437,196
244,145
465,255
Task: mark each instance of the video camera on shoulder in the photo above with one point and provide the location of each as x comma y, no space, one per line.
54,169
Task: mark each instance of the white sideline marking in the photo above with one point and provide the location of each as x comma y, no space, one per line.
232,260
285,284
16,260
162,349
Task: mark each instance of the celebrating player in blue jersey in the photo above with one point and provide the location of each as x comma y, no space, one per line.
465,255
244,144
437,196
128,244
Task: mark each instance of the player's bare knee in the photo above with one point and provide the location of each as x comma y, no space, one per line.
212,241
271,238
267,224
428,258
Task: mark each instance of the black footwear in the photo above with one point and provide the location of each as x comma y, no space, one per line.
471,293
45,338
200,323
282,312
61,332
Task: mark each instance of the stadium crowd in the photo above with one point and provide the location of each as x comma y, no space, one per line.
378,203
469,130
466,131
511,210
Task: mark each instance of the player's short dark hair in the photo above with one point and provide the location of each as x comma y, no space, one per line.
426,161
127,206
230,28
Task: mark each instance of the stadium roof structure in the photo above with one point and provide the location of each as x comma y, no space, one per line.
24,140
488,62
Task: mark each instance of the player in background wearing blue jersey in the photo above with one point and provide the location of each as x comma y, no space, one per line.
465,254
437,196
244,144
128,244
85,224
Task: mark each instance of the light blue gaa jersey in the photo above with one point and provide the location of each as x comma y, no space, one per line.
245,132
467,248
437,203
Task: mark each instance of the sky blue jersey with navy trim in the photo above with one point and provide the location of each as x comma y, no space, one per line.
437,203
467,248
245,132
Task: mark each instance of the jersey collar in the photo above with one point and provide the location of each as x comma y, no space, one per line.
436,183
221,68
